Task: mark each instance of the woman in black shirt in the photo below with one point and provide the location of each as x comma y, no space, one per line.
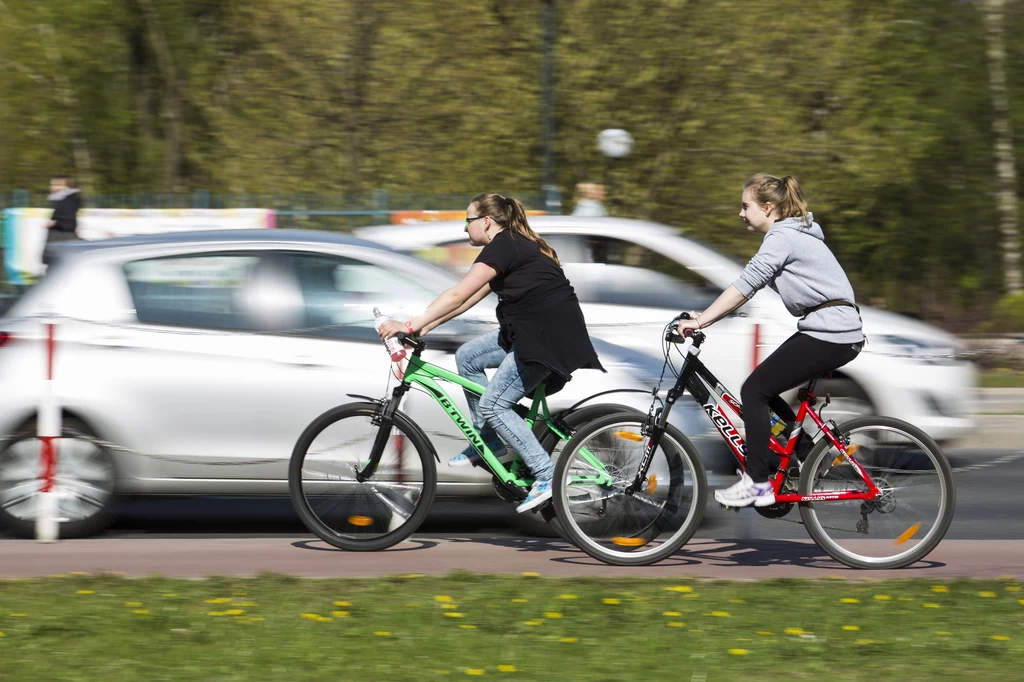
542,336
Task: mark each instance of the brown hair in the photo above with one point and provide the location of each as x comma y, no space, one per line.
783,193
511,215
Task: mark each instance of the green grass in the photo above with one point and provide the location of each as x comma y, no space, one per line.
417,628
1001,378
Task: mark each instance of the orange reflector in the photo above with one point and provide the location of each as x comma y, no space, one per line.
652,484
908,533
850,450
360,520
626,435
629,542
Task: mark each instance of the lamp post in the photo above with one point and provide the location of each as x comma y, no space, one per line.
552,200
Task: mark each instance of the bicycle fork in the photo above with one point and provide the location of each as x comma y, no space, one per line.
385,419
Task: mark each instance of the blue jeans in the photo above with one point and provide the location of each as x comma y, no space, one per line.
494,409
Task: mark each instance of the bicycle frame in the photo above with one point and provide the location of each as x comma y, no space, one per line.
711,395
424,374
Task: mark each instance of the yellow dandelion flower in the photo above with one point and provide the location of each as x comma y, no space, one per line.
170,595
738,652
449,606
719,614
531,574
794,631
882,597
932,605
764,633
441,598
2,634
675,624
311,616
520,601
570,640
695,630
468,627
234,612
987,595
940,589
1001,638
736,601
474,671
904,599
342,603
679,588
552,615
452,614
611,601
215,614
567,596
256,619
532,622
691,595
141,612
323,619
382,633
247,604
1013,588
135,604
849,600
339,614
411,576
1021,602
219,600
851,628
85,592
507,668
671,614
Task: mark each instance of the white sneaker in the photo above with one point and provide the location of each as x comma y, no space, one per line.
745,493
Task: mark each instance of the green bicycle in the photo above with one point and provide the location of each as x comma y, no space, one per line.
362,476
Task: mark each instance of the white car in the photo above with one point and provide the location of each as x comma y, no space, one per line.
189,363
632,277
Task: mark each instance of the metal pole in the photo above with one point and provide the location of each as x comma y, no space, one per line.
552,201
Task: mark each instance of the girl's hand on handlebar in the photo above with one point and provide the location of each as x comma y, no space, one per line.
391,328
691,323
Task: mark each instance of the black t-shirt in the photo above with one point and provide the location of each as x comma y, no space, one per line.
539,313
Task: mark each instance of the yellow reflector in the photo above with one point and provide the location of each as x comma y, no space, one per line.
850,450
629,542
360,520
627,435
908,533
652,484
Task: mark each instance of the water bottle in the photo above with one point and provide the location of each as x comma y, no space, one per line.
393,345
778,425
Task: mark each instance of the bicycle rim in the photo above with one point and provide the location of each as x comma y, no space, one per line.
906,521
612,526
368,515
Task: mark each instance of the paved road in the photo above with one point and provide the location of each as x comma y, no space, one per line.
187,538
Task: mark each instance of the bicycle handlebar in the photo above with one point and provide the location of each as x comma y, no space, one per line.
673,337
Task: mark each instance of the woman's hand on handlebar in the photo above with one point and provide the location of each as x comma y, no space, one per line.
392,328
691,324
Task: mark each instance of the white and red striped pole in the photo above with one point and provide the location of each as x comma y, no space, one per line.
49,430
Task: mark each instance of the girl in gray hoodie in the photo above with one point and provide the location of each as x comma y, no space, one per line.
794,261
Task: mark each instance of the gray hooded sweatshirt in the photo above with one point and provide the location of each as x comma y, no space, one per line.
794,261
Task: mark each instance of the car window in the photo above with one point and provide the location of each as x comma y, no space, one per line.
236,291
340,294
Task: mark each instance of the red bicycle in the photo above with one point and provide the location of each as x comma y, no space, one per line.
874,492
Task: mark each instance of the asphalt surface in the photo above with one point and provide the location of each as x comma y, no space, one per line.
237,536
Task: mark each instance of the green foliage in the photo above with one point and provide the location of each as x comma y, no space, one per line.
881,108
1007,316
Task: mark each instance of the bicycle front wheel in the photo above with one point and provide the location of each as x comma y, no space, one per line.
598,515
909,517
373,514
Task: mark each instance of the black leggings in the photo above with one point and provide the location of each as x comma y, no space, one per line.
799,359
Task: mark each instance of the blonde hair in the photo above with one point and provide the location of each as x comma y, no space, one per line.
511,215
783,193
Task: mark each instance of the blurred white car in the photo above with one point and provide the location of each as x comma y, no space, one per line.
632,277
189,363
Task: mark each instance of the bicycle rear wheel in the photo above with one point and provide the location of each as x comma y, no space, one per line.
373,514
590,498
906,521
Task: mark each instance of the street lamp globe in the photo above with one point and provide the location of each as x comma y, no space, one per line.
615,142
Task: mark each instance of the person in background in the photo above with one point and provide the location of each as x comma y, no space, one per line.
589,202
66,199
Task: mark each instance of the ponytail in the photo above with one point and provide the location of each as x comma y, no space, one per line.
783,193
510,214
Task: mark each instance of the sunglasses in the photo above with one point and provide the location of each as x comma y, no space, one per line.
469,220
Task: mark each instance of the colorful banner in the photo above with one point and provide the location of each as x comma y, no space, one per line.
413,217
25,229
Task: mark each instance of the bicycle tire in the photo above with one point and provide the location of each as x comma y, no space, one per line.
353,541
924,445
680,453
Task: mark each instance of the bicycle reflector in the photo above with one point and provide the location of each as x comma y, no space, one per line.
629,542
360,520
629,435
908,533
850,449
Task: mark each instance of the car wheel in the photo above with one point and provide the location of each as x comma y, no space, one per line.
85,481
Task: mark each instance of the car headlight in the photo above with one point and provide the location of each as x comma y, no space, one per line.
921,350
